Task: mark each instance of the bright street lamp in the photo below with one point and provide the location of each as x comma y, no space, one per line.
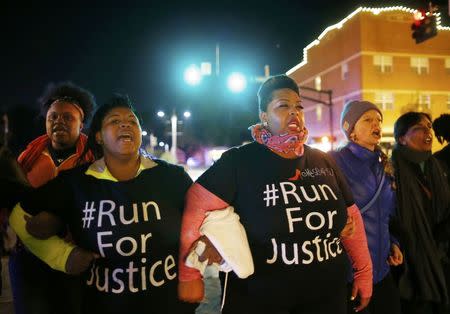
174,131
236,82
193,75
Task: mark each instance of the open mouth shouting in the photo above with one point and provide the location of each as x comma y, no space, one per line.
126,137
376,134
59,129
294,125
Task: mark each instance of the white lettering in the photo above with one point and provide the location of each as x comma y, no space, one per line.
103,205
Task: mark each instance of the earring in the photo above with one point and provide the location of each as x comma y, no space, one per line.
353,137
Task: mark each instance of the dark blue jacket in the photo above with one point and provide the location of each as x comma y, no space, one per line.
363,170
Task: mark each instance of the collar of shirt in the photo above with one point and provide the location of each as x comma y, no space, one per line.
99,170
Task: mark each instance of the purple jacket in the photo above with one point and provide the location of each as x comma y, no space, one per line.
363,171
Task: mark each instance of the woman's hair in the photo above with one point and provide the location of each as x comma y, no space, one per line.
68,92
117,101
441,127
406,121
272,84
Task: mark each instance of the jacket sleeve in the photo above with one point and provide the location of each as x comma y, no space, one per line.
54,251
198,201
358,251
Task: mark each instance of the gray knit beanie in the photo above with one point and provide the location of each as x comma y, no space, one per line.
352,112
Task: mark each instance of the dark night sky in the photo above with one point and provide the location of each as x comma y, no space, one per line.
141,48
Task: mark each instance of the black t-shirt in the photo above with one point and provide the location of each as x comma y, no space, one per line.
293,211
134,225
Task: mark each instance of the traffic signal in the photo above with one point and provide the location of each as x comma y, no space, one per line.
424,26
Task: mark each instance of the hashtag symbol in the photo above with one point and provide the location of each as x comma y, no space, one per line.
88,214
270,194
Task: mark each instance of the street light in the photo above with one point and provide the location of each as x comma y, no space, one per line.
236,82
174,130
193,75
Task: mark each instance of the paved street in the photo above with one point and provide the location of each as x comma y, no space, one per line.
6,305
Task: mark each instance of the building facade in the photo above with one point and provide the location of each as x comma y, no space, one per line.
371,55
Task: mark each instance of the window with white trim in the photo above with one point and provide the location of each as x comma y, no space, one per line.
344,71
447,65
318,83
420,65
383,63
425,101
384,100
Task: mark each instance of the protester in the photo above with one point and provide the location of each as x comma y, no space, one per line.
423,215
370,175
124,210
441,127
37,288
293,202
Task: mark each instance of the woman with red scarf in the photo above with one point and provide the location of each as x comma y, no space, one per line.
294,203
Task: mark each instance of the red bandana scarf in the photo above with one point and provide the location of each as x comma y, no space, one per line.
283,143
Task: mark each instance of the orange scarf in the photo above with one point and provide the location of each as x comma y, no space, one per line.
37,146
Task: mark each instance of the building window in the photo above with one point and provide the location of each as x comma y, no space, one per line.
425,101
384,100
344,71
383,63
447,65
420,65
318,83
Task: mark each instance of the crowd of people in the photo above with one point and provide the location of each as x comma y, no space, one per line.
104,227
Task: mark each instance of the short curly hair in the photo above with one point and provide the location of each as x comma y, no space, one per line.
272,84
441,127
68,92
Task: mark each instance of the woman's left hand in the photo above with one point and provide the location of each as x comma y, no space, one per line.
396,256
210,253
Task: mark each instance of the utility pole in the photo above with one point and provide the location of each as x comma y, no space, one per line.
329,104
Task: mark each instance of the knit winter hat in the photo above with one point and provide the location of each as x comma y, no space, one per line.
352,112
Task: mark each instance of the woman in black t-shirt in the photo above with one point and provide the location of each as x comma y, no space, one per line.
124,214
293,202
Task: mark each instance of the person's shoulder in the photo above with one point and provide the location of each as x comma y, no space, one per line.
341,152
319,157
168,167
72,173
314,152
247,148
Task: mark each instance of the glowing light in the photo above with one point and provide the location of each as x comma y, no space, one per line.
144,133
340,24
193,75
325,139
160,114
237,82
187,114
161,144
